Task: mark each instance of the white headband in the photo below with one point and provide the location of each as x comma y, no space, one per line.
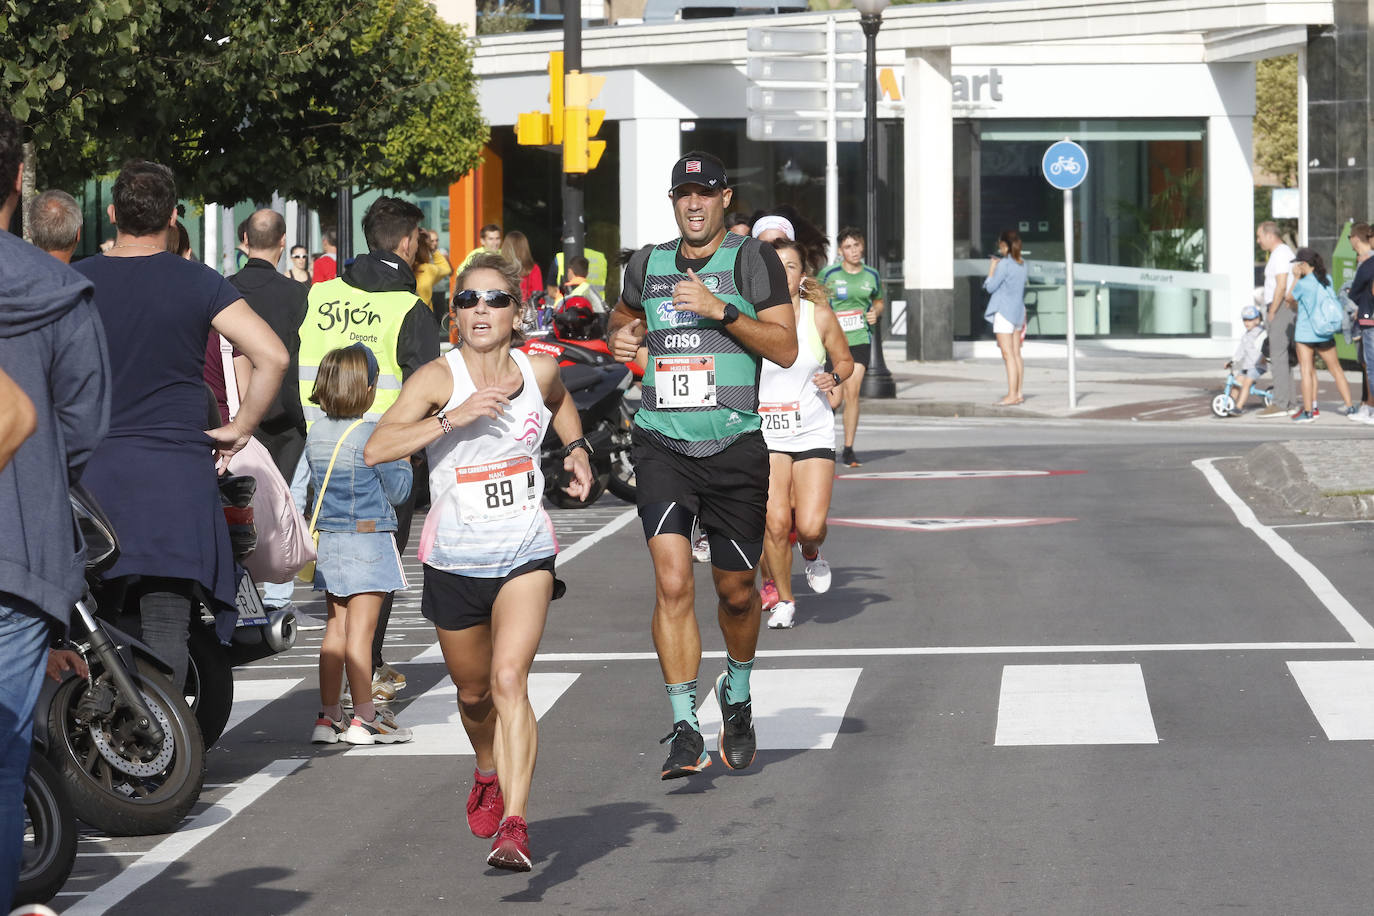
775,222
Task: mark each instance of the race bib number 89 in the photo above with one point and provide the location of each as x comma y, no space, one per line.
499,490
685,381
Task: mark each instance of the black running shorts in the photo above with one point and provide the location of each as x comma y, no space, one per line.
452,601
727,491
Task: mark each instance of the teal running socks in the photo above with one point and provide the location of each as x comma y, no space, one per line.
737,683
684,699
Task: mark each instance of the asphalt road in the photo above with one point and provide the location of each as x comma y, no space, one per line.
1087,692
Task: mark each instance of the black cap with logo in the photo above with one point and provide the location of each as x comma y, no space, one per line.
700,168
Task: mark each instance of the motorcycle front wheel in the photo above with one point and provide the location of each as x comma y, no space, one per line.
49,834
118,782
622,481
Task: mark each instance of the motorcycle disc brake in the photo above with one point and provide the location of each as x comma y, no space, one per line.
105,742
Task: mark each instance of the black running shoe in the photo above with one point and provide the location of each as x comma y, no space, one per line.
849,458
687,754
737,742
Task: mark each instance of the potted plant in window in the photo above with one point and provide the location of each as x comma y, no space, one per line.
1169,236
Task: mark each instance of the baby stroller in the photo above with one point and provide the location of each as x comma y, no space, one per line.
1224,403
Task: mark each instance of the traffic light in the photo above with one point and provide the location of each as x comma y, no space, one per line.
535,128
581,152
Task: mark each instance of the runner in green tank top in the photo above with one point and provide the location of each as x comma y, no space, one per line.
856,295
707,306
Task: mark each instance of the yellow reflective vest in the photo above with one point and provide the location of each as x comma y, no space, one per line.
338,315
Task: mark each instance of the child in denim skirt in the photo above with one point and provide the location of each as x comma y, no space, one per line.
358,563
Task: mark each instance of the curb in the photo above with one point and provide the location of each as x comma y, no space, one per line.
902,407
1275,467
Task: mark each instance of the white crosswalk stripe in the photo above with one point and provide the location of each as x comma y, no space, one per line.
1074,704
1341,696
433,717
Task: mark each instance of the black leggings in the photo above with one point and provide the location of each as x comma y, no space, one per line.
156,611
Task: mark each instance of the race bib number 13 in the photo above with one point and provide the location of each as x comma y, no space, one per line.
685,381
499,490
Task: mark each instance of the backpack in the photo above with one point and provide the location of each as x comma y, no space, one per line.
1327,314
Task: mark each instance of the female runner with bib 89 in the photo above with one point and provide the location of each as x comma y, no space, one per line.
488,546
799,427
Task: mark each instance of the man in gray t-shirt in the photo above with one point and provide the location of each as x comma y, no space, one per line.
1279,317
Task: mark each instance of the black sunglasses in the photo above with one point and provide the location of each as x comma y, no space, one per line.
496,298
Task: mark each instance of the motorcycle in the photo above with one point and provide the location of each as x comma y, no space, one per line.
598,385
126,747
49,850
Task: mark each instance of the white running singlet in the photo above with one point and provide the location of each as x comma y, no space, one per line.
486,513
797,416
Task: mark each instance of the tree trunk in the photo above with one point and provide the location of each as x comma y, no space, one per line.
28,190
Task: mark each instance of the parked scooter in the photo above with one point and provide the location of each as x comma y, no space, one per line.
126,745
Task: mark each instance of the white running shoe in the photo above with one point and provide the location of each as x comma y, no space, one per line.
782,616
818,574
701,547
381,730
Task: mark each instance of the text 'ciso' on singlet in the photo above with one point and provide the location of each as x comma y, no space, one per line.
486,488
796,415
701,385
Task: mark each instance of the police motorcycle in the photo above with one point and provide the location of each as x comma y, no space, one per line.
123,743
598,385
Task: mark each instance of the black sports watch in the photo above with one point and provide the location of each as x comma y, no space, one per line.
731,313
582,444
838,381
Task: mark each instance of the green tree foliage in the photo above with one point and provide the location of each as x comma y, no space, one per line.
242,98
495,17
1276,118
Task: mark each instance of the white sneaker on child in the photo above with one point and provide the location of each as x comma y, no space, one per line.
381,730
782,616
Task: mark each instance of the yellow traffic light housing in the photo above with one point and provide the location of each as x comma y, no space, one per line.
533,129
581,152
556,77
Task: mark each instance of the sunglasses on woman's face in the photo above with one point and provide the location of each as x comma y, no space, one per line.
295,257
495,298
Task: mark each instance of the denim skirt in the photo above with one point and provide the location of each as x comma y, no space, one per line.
349,563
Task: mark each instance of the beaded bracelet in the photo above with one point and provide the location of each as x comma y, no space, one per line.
444,423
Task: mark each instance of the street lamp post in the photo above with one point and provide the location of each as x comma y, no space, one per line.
877,381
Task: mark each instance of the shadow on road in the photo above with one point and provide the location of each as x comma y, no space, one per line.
242,891
583,838
847,596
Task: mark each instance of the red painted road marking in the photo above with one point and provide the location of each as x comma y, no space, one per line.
948,475
945,524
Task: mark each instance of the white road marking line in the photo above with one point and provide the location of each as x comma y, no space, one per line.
104,855
794,708
433,717
1350,521
1170,408
155,861
1341,696
591,540
250,696
939,525
1073,704
948,475
1344,612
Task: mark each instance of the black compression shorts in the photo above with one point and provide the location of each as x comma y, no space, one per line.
726,492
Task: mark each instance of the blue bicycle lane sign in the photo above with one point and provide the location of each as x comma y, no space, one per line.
1065,165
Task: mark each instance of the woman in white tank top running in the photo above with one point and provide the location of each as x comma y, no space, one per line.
799,427
481,413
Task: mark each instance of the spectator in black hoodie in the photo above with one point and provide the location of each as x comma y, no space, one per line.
53,347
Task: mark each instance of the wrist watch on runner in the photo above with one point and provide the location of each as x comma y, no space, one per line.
582,444
838,380
731,314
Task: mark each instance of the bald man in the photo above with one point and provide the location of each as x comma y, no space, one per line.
54,221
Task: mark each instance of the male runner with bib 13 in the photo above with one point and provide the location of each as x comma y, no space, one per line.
710,306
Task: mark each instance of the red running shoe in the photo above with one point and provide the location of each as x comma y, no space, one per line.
511,850
485,805
769,593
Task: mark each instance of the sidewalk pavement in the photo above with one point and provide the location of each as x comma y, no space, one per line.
1117,386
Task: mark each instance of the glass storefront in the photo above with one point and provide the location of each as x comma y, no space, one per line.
1139,225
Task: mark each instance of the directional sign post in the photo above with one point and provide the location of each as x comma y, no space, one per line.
825,110
1065,165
